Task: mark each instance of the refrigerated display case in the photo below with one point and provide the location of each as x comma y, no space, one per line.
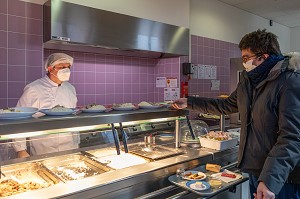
122,154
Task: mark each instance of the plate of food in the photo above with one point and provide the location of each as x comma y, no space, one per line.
193,175
166,104
124,107
17,112
198,185
218,140
149,105
93,108
58,111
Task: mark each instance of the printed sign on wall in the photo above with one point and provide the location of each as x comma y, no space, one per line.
171,82
215,85
171,94
161,82
207,72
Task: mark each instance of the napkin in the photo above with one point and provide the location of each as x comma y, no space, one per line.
227,179
38,114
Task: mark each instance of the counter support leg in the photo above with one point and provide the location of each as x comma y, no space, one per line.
116,138
190,127
222,122
177,133
124,138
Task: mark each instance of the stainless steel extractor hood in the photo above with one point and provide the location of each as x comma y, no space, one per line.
75,27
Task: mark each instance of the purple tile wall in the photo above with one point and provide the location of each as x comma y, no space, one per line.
21,49
169,67
212,52
107,79
98,78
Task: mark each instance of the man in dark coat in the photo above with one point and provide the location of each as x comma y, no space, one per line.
268,100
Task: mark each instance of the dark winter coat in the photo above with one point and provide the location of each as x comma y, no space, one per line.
270,123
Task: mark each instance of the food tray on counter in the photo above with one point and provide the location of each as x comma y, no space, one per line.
74,167
153,152
211,191
24,177
217,144
102,152
115,161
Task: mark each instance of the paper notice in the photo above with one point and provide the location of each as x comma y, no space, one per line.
200,72
207,72
215,85
161,82
195,72
171,94
171,82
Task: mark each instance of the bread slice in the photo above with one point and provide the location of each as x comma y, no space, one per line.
213,167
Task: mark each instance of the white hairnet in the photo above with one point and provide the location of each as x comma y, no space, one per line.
58,58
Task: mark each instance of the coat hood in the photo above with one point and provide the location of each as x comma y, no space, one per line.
294,60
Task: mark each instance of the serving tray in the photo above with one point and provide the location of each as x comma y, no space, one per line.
75,166
178,181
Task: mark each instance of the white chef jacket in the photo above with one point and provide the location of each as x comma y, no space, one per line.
43,93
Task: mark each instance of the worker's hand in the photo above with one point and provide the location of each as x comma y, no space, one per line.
263,192
23,154
180,103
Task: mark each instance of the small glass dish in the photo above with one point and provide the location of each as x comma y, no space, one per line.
215,183
180,173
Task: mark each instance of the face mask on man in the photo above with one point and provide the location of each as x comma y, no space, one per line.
249,65
63,74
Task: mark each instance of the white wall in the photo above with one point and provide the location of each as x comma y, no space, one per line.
216,20
295,39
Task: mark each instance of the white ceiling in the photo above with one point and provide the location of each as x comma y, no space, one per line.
284,12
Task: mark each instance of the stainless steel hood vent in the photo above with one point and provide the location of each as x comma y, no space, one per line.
74,27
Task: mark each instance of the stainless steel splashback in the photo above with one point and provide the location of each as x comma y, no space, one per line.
74,27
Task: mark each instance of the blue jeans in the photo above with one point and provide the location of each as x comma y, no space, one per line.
288,191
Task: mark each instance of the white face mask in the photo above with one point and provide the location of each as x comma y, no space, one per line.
249,65
64,74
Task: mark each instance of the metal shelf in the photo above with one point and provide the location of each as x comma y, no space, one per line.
84,119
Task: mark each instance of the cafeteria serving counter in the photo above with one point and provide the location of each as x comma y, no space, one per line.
97,172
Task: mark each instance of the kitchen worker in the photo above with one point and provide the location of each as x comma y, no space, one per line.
45,93
268,100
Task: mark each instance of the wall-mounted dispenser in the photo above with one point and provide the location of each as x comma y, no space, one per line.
187,68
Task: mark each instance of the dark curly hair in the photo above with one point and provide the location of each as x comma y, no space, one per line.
260,42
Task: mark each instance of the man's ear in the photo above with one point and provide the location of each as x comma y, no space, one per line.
50,68
265,56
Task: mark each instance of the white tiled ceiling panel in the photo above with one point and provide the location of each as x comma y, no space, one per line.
285,12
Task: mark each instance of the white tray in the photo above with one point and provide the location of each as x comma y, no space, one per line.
218,145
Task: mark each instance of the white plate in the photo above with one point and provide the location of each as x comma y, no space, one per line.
124,108
151,107
193,172
193,185
93,110
47,112
25,112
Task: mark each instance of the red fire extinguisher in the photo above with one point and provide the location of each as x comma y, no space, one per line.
184,89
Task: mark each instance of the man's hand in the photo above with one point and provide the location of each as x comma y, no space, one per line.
180,103
263,192
23,154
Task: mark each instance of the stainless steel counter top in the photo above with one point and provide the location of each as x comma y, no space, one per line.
133,181
120,179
